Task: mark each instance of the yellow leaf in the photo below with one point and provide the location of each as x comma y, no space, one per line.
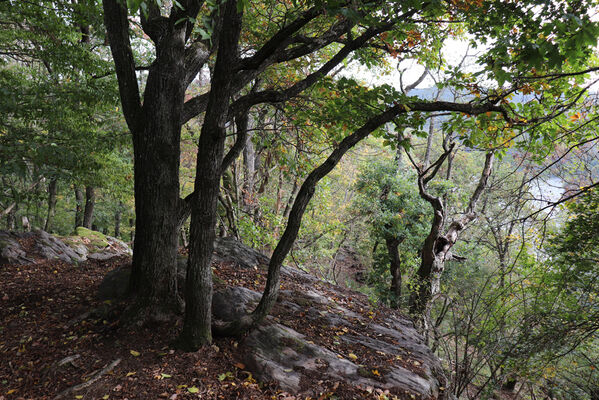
11,391
352,356
135,353
376,372
193,389
131,373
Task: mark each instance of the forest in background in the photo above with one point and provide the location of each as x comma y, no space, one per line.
471,205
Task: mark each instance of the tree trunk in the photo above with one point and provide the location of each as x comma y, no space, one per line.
394,268
156,129
11,218
79,199
132,228
437,247
284,245
249,171
198,285
90,202
52,189
117,220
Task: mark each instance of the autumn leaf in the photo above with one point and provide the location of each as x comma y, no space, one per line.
193,389
135,353
352,356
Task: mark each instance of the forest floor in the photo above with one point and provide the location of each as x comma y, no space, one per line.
50,344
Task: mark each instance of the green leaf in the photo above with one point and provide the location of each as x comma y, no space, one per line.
193,389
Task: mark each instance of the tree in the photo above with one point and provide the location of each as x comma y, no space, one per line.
365,30
58,122
389,199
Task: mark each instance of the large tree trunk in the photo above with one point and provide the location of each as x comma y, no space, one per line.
198,285
90,202
79,199
52,189
156,130
156,167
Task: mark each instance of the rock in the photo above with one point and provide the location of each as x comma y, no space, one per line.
115,283
229,249
70,249
231,303
52,248
11,251
280,353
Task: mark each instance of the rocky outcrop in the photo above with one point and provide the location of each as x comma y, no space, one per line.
318,333
29,247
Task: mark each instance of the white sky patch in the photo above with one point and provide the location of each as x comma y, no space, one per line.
453,52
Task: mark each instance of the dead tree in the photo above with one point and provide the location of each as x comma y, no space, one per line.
437,246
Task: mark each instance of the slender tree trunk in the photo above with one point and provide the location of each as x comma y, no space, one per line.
302,199
11,218
90,202
394,268
198,285
117,220
52,190
249,169
79,199
132,229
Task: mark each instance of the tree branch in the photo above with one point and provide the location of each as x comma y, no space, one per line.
117,28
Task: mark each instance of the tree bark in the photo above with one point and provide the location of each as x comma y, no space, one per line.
437,247
52,189
117,220
249,169
284,245
11,218
394,268
90,202
156,131
198,285
79,199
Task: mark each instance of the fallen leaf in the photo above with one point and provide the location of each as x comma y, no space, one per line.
135,353
352,356
193,389
131,373
240,365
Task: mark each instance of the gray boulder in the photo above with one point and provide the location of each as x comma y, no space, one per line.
11,251
70,249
